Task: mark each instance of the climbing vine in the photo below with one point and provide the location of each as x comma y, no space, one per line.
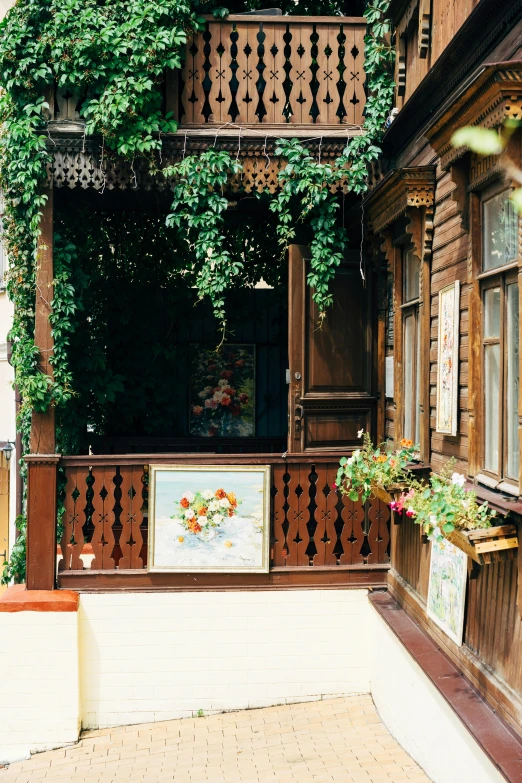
112,55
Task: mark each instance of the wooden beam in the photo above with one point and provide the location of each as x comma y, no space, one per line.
43,424
42,463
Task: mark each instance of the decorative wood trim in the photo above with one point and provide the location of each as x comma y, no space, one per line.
283,578
401,65
475,413
460,176
80,163
424,28
495,95
400,189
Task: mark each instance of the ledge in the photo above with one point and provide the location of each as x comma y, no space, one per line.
502,746
18,599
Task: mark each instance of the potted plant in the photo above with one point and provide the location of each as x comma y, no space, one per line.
445,507
376,471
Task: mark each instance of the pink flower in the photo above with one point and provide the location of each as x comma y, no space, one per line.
197,410
394,506
210,404
334,486
410,512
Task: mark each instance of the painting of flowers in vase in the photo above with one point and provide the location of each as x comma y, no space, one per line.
207,518
222,391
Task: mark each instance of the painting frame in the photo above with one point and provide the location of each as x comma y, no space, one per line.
196,350
448,359
444,554
247,470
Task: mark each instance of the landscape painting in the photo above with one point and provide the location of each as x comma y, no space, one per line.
206,518
222,391
447,588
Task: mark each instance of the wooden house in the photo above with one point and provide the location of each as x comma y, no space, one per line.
433,216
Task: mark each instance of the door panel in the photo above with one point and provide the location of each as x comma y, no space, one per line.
338,354
330,396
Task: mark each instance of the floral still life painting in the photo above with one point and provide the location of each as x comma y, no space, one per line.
206,518
447,587
222,391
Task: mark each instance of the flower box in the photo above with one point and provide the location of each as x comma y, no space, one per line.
487,545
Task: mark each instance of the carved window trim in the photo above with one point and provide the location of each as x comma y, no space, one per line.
409,194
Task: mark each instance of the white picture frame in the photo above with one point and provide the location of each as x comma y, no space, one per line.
448,360
447,588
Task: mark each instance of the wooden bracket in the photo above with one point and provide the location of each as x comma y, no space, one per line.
424,28
401,66
460,176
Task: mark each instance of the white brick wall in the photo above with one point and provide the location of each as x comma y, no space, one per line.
155,656
39,692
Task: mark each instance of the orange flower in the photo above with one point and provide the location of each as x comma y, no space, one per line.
382,458
194,526
406,443
232,499
203,511
230,512
184,503
228,544
220,494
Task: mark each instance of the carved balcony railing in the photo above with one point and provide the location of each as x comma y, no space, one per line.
105,521
272,71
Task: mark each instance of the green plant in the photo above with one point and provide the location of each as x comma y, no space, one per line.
444,504
374,467
493,142
113,54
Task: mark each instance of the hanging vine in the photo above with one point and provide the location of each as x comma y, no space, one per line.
113,54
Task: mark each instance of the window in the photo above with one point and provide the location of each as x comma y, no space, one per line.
500,338
411,344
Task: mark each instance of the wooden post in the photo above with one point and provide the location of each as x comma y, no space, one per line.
42,462
41,521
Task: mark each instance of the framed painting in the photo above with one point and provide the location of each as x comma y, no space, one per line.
448,360
209,518
222,391
447,588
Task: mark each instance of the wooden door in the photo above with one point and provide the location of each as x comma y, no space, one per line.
4,511
330,393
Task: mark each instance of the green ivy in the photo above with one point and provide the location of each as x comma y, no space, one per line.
113,55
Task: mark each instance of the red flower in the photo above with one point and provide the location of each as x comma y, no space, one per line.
240,363
235,410
220,494
243,398
226,374
184,503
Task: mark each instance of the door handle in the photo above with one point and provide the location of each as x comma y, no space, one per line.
298,413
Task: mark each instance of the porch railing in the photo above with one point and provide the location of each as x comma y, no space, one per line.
105,522
253,70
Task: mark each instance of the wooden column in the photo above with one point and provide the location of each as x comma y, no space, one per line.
41,521
42,462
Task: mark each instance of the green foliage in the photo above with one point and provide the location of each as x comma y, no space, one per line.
15,568
445,504
113,54
197,210
481,140
374,467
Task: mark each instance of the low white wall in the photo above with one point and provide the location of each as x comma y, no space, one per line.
156,656
39,689
419,717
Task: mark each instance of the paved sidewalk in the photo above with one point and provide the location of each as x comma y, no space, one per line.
341,740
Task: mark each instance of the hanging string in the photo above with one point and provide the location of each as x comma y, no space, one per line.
361,256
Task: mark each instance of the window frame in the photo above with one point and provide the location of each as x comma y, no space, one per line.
499,277
411,308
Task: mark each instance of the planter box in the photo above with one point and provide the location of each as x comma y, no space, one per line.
490,545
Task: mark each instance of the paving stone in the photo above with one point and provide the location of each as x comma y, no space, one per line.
327,741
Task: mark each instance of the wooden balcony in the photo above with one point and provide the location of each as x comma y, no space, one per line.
305,73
